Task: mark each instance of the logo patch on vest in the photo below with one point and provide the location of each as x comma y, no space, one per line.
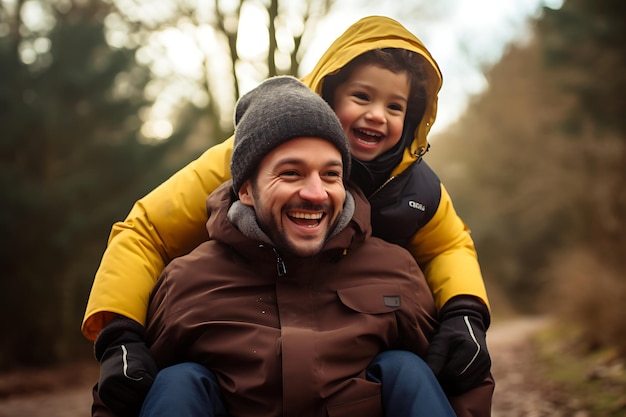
391,300
417,206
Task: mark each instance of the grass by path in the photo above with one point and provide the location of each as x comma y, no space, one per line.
596,380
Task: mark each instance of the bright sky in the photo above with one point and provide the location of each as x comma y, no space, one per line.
464,36
469,35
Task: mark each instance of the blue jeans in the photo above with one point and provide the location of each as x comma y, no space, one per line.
408,388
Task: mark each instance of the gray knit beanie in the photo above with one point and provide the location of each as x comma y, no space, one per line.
279,109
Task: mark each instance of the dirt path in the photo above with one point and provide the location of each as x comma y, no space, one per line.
63,392
519,391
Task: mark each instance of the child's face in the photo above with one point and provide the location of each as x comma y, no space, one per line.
371,105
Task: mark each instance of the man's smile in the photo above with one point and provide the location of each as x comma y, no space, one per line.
306,218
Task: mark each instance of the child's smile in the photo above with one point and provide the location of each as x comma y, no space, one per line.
367,137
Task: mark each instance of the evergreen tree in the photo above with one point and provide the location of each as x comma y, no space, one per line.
70,165
537,165
585,53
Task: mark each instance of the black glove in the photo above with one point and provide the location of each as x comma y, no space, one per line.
127,368
458,352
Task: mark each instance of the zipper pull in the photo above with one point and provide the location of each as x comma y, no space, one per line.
280,264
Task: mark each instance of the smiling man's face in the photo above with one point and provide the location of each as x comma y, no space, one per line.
298,194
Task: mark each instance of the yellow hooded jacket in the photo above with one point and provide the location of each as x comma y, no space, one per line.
170,220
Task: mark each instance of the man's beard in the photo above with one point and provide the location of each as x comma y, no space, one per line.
281,239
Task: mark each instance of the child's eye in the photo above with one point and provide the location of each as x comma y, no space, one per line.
361,96
396,107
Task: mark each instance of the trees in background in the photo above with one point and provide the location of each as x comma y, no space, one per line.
70,164
538,170
96,110
584,51
209,52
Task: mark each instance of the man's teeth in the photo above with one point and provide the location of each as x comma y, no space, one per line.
307,216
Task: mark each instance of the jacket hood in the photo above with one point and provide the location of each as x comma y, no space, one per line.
375,32
221,229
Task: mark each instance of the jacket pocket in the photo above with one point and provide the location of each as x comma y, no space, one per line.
372,299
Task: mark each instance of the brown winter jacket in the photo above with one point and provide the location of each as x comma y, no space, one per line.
295,344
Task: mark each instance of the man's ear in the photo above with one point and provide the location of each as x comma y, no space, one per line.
245,194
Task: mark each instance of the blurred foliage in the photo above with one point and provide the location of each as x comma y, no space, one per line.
210,52
537,168
586,278
85,84
70,165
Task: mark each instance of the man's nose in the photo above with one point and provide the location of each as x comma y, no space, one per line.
313,189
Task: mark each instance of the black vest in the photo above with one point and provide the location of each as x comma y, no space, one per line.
405,204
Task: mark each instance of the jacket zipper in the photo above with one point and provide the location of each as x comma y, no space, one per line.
280,264
381,187
391,179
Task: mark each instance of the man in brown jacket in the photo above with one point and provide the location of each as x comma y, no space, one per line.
285,308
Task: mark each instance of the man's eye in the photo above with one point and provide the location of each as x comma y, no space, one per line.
288,174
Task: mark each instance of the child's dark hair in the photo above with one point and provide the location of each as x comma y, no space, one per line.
395,60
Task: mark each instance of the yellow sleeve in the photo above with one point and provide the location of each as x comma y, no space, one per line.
446,253
166,223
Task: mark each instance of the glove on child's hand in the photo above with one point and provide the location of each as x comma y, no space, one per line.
127,368
458,352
